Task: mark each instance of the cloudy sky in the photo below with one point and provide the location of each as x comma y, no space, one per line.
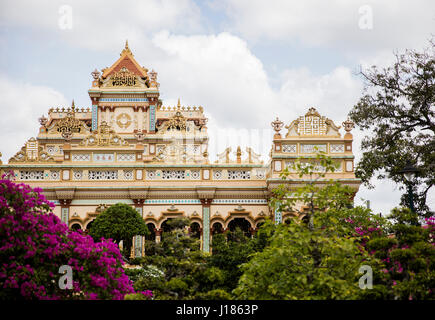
246,62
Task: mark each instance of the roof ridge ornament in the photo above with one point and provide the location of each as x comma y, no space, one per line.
277,125
348,125
126,49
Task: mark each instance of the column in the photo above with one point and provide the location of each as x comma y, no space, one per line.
206,224
278,216
64,209
138,241
158,235
94,117
152,118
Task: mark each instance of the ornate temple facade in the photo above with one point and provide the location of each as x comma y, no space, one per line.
128,147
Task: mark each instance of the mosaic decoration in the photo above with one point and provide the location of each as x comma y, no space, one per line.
239,175
104,157
336,148
206,229
173,174
173,201
195,174
237,201
123,99
217,174
152,118
289,148
311,148
65,215
52,150
32,175
77,175
261,174
103,175
94,117
151,174
126,157
128,174
278,217
81,157
138,244
55,175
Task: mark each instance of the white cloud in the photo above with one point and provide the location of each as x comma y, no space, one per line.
21,104
219,71
335,24
102,24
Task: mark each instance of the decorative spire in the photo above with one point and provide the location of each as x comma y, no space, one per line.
178,104
239,154
126,49
95,74
43,120
277,125
348,125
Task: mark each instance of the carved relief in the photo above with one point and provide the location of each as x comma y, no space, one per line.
105,136
31,152
123,120
69,125
312,124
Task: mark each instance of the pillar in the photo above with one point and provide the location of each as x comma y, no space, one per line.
138,241
152,118
278,216
94,116
64,210
158,235
206,224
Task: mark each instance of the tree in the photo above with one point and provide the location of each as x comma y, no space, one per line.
119,222
34,244
313,258
230,250
177,270
408,254
397,107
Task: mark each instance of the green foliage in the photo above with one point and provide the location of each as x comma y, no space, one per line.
178,268
229,255
303,264
397,107
318,258
216,294
408,253
119,222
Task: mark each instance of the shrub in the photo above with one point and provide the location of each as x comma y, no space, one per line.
34,243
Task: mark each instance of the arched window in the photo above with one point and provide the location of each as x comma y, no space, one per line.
242,224
217,228
195,230
152,232
76,227
89,226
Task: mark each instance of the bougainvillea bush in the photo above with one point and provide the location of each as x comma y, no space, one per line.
406,250
34,244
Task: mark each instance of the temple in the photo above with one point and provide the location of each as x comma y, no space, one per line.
128,147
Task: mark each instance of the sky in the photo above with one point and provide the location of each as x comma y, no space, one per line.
245,61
